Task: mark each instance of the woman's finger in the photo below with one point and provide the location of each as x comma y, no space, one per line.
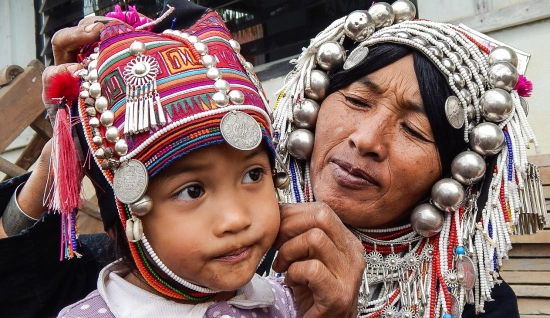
313,244
67,42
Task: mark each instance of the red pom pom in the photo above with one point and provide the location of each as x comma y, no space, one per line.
62,85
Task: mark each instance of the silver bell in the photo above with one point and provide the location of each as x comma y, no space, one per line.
359,25
98,141
404,10
382,14
487,139
137,48
305,114
107,118
214,73
235,45
222,85
220,99
503,54
426,220
101,104
201,48
142,206
496,105
319,86
448,195
236,97
501,75
95,90
468,167
330,56
208,61
300,144
281,180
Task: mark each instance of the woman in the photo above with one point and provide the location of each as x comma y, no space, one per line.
383,140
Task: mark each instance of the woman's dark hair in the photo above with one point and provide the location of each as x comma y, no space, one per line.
434,90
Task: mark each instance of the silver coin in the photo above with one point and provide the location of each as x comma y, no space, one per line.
454,112
466,269
455,306
130,181
356,57
240,130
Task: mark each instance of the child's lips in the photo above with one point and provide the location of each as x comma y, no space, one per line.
236,255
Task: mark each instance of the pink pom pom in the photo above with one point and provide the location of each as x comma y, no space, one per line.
130,17
524,86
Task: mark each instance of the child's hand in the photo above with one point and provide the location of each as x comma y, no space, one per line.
323,260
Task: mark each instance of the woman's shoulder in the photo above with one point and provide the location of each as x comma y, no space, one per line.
93,306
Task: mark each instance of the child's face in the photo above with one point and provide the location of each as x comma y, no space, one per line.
215,215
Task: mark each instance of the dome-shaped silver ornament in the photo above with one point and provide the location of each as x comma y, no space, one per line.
236,97
220,99
235,45
359,25
319,85
403,35
300,144
92,65
101,104
93,76
97,140
91,111
142,206
459,80
95,90
305,114
436,51
448,195
281,180
107,118
426,220
249,66
214,73
463,52
496,105
330,56
468,167
201,48
456,56
137,48
382,14
85,85
121,147
420,41
486,139
466,95
111,134
84,94
503,54
208,61
222,86
403,10
94,122
502,75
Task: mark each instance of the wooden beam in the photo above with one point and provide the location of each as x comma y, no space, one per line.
534,306
540,160
545,175
21,102
527,277
531,291
526,264
10,169
528,250
521,13
43,127
538,238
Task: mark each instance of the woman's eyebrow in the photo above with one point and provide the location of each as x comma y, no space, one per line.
416,107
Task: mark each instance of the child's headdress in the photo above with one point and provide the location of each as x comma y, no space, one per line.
147,99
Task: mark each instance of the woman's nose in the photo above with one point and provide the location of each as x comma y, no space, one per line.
371,136
232,217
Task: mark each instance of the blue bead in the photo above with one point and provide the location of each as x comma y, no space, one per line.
459,250
447,316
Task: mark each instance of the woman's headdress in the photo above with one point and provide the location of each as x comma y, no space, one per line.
147,99
465,228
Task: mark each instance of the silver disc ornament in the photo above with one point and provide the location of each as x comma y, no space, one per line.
466,271
454,112
240,130
356,57
130,181
455,306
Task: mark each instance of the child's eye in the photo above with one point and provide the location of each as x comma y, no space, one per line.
253,175
191,192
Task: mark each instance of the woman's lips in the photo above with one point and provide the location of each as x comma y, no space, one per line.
236,255
349,176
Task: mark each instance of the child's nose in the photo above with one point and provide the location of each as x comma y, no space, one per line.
232,217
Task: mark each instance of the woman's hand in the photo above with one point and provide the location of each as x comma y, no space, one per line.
67,42
323,260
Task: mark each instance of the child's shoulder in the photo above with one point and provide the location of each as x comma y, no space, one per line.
93,306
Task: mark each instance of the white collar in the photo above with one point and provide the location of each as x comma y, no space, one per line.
127,300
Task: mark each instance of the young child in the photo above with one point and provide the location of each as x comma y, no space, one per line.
181,157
